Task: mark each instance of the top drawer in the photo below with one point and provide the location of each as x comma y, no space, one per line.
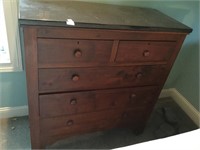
62,51
144,51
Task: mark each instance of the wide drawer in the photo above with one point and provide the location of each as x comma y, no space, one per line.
70,79
63,51
133,117
70,124
144,51
82,102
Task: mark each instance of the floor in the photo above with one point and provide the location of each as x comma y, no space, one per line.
166,120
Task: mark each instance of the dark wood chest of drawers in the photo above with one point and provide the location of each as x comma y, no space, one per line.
84,79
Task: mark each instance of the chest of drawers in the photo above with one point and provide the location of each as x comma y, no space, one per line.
84,79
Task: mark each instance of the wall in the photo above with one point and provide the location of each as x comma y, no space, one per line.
184,75
13,89
12,85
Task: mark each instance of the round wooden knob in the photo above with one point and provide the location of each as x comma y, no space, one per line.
146,53
75,77
132,96
77,53
70,122
73,101
139,75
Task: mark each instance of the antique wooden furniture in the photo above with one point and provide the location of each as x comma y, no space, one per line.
104,70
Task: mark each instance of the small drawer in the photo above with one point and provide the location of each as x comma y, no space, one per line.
75,123
72,79
148,51
66,51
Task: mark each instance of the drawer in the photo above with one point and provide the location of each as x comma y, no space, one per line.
133,117
139,97
144,51
81,102
76,123
51,136
70,79
63,51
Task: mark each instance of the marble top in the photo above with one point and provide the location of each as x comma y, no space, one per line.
95,15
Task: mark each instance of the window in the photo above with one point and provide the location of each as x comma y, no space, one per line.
10,53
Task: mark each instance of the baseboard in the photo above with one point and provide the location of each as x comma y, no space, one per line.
164,93
9,112
183,103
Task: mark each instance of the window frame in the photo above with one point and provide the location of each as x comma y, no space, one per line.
10,9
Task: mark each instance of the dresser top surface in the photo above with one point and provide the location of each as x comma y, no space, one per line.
96,15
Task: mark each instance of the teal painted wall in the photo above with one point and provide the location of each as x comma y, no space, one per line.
184,75
13,89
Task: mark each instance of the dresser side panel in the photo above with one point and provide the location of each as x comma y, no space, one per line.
30,45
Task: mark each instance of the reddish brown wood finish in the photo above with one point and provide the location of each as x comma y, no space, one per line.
133,117
86,80
65,33
52,80
70,123
83,102
134,51
30,40
73,51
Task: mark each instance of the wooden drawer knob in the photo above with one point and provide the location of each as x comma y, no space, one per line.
70,122
146,53
75,77
77,53
132,96
73,101
139,75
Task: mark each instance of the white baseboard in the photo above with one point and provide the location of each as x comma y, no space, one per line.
9,112
164,93
183,103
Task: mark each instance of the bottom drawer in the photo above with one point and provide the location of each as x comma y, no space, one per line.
133,117
74,124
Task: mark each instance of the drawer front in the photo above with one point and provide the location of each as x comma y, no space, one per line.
138,51
133,117
143,96
62,51
74,123
71,79
81,102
